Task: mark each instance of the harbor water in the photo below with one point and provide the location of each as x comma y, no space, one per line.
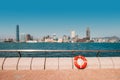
59,46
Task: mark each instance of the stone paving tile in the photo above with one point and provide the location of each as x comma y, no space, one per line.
65,63
86,74
10,64
106,62
92,63
51,63
24,63
38,63
116,61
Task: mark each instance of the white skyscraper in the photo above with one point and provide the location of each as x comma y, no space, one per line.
72,34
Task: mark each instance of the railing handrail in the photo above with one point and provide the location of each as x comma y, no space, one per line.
33,50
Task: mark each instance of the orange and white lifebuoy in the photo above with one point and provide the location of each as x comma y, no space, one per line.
80,62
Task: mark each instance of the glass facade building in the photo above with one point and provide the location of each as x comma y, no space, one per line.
17,33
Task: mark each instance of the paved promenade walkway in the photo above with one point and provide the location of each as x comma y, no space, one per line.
86,74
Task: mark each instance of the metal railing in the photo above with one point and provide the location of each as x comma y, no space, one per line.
61,51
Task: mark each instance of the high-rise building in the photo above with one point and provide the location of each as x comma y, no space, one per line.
17,33
22,37
88,33
72,34
29,37
54,36
65,38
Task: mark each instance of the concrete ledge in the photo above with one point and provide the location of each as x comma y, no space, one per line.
106,62
1,63
51,63
10,64
65,63
116,61
38,63
24,64
57,63
92,63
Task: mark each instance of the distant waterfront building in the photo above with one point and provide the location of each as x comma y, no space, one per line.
106,39
72,34
88,33
54,36
29,37
8,40
75,39
60,40
100,39
65,38
17,33
22,37
48,38
55,39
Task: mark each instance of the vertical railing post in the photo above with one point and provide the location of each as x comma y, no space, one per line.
45,61
98,53
72,60
73,54
19,53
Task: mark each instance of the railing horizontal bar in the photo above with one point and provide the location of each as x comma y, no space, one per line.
59,50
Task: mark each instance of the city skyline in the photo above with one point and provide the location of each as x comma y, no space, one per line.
28,38
41,18
86,33
72,34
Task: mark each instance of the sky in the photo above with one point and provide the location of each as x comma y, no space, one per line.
47,17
